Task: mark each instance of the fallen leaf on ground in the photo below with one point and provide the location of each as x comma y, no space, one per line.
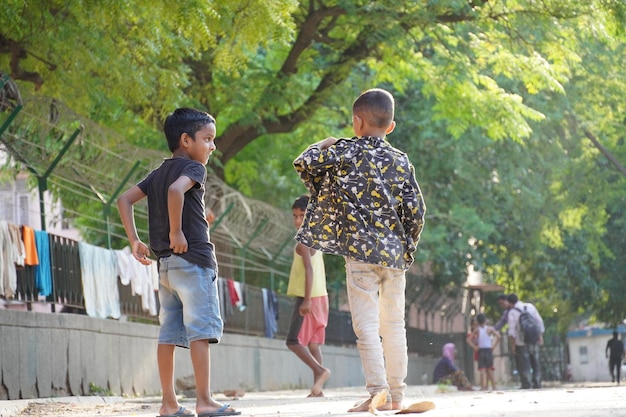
420,407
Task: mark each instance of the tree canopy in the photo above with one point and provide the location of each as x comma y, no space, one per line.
512,112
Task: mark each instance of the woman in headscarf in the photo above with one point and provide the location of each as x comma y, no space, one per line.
446,371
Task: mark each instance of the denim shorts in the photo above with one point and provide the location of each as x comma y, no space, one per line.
189,303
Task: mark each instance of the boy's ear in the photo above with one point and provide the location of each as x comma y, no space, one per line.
185,139
357,122
392,126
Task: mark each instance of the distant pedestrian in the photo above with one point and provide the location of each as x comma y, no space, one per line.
483,340
446,372
616,347
526,352
505,306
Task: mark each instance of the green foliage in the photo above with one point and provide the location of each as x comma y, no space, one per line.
97,390
133,55
496,106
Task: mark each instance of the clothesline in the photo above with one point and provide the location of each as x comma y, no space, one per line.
100,269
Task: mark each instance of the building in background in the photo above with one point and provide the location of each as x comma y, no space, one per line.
587,352
19,204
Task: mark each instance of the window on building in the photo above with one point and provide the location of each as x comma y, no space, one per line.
582,352
7,207
22,209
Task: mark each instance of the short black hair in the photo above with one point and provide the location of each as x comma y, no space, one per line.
184,120
301,202
512,298
502,297
376,106
481,318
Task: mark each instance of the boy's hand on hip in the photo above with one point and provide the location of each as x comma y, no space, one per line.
178,242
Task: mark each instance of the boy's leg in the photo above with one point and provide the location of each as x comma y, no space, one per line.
201,362
313,334
491,379
393,332
171,334
305,356
320,374
316,352
362,284
489,370
483,379
196,289
165,361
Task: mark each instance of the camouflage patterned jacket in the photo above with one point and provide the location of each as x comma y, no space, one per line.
365,202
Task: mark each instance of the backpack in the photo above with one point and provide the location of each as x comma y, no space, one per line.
528,327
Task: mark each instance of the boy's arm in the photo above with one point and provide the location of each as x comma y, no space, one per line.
125,204
175,201
413,210
495,334
503,320
314,161
305,253
512,329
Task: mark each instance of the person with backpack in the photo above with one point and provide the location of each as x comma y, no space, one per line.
526,335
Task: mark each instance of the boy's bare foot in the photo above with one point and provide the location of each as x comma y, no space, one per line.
315,395
376,402
319,381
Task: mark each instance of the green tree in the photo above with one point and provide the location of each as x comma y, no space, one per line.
511,111
117,62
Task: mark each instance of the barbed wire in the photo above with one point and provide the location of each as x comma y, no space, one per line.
95,162
252,235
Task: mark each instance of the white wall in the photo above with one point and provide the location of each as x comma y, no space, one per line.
587,355
51,355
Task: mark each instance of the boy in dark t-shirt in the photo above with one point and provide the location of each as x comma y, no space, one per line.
179,237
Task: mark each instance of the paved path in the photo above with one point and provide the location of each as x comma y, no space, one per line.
574,400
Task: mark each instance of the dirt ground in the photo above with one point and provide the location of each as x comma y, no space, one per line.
49,409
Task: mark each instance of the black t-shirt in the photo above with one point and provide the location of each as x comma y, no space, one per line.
616,347
195,227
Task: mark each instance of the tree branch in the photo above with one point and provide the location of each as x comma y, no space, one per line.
236,137
308,32
17,53
604,151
